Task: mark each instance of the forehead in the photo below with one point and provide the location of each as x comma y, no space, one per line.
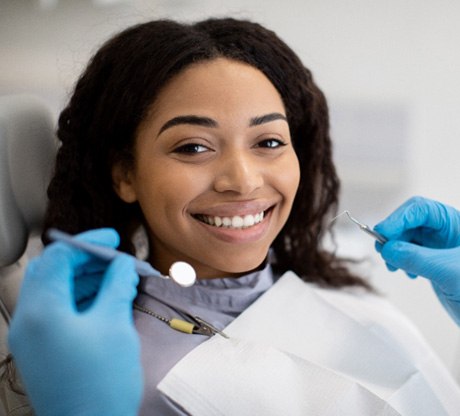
217,88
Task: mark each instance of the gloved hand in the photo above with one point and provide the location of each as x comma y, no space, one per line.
73,362
89,276
424,239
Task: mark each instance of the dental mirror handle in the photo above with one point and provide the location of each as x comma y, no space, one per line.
374,234
180,272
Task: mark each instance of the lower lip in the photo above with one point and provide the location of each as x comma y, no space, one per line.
239,235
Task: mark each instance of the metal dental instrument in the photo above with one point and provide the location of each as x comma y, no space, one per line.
380,238
193,325
180,272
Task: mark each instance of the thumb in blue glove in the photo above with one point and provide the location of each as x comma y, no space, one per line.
73,362
424,240
88,278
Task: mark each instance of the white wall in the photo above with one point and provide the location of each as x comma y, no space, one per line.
379,54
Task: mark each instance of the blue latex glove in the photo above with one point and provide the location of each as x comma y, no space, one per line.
89,276
424,240
73,362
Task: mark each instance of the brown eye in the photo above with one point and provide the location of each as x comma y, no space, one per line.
191,148
271,143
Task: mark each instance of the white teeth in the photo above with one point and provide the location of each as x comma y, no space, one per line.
233,222
249,220
226,222
237,222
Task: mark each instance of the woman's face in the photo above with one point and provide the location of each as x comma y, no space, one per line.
215,172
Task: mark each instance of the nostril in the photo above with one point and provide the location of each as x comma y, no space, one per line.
239,181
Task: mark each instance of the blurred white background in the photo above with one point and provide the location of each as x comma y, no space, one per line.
391,72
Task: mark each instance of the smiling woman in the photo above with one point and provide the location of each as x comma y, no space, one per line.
197,95
199,178
213,140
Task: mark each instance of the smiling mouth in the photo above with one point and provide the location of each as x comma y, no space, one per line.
235,222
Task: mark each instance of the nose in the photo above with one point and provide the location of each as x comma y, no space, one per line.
238,172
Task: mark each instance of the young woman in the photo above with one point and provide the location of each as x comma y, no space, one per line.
212,141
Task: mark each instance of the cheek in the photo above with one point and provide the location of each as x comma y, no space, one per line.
288,177
169,194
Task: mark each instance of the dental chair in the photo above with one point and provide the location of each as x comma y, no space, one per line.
27,152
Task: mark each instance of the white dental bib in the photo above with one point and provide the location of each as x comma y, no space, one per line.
302,350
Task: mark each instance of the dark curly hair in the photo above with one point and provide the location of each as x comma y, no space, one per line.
112,97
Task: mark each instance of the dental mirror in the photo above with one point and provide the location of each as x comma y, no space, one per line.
180,272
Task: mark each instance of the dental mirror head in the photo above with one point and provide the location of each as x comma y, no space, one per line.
182,273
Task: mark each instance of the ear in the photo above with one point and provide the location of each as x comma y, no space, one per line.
123,183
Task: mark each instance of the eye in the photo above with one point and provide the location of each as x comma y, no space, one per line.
271,143
191,148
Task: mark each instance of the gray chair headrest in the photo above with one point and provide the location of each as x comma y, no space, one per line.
27,153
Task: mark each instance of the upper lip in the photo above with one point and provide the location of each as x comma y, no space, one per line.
230,209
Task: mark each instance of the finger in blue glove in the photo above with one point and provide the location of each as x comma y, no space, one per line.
425,240
74,362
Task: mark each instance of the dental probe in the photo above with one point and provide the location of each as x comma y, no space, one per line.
180,272
379,237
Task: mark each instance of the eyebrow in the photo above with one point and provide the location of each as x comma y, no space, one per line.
209,122
190,119
257,121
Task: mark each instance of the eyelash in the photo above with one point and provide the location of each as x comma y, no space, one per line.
192,148
279,143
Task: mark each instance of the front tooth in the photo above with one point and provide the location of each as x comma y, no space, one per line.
248,220
217,221
237,222
226,222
